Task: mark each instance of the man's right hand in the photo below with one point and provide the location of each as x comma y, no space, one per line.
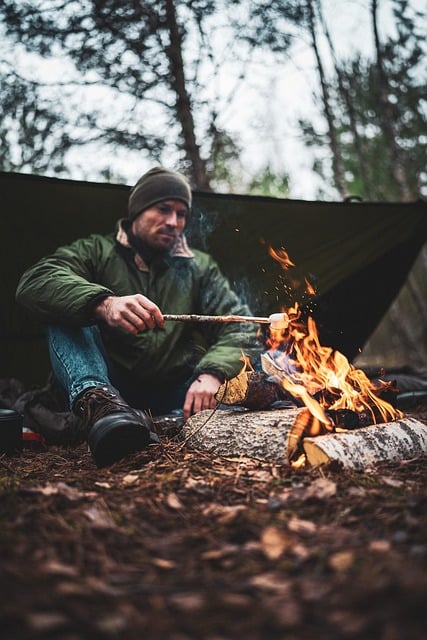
131,313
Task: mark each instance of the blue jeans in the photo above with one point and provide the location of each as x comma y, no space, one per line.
79,361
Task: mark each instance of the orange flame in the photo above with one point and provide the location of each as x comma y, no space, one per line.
295,280
281,255
247,364
309,287
321,377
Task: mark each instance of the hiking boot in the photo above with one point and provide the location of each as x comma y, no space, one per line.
114,429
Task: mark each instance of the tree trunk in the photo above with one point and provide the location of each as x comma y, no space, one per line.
183,103
386,114
337,161
352,116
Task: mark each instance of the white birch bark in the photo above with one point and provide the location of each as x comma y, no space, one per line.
392,441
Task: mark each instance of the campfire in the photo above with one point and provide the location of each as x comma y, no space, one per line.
336,393
308,404
313,389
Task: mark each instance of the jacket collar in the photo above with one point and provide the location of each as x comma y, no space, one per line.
179,250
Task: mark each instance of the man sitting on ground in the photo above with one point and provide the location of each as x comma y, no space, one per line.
102,299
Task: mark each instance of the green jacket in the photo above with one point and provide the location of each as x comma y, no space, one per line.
63,287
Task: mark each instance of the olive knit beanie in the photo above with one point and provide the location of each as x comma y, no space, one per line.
156,185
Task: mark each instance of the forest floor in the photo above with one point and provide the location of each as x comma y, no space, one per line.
176,544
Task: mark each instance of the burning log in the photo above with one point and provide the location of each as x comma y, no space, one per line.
250,389
332,403
278,436
387,442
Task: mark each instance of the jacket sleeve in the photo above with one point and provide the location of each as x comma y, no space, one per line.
227,341
60,287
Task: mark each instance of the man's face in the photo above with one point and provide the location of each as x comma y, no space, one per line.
160,226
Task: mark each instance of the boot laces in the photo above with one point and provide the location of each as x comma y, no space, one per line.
95,403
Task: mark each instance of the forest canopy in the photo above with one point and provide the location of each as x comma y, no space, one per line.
98,90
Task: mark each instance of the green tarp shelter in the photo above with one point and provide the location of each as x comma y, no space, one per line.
357,255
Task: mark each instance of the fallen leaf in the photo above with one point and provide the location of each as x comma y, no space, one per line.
47,490
173,501
236,600
251,546
341,561
349,623
189,602
193,483
392,482
103,485
280,499
46,621
274,542
111,625
381,546
130,478
70,589
87,588
290,614
163,563
224,513
222,552
100,516
99,585
62,489
258,475
304,527
300,552
271,582
233,391
313,589
59,568
321,489
357,492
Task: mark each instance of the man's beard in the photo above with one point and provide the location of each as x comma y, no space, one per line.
147,252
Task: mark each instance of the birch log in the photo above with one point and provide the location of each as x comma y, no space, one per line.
391,441
263,435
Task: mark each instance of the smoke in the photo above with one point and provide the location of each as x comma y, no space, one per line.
201,226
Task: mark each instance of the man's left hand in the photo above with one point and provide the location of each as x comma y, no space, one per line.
201,394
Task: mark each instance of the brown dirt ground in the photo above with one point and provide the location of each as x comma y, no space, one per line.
176,544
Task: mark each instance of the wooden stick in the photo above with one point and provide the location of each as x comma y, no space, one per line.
194,317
